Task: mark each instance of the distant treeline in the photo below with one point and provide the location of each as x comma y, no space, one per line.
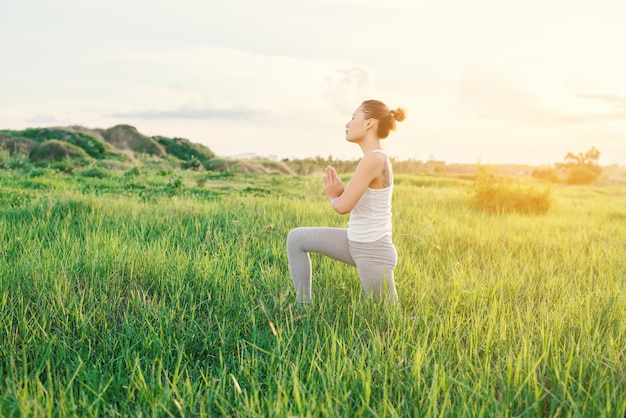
122,147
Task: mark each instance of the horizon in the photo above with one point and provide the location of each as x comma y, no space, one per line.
254,156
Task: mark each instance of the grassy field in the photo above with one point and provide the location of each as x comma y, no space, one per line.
164,293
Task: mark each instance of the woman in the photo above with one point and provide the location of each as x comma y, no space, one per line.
366,243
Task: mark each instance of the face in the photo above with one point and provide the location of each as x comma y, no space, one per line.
357,126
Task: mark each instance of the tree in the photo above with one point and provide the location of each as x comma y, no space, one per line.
582,168
589,158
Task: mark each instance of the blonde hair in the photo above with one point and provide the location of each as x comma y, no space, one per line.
386,117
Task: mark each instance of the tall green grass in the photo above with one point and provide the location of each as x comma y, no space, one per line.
168,294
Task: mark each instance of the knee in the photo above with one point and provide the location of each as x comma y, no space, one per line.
293,237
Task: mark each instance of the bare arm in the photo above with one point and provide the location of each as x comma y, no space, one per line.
343,199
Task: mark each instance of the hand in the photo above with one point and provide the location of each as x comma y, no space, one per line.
333,186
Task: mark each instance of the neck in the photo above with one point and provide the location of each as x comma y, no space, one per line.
370,144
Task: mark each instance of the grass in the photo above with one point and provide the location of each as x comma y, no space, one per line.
168,294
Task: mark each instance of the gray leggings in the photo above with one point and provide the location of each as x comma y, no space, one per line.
374,261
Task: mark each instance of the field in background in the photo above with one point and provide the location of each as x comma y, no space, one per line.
162,292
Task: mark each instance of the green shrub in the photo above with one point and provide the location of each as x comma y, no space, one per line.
184,149
579,175
547,174
19,162
174,186
192,164
217,164
55,150
201,182
90,144
13,159
95,172
17,145
505,194
37,172
126,137
219,175
133,172
67,166
4,156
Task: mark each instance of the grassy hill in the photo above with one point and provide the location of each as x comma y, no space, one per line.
127,138
119,147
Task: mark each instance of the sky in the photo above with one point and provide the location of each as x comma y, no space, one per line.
482,81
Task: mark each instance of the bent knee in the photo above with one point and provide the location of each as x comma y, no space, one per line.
294,237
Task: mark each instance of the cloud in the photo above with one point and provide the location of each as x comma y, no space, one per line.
590,118
598,108
499,93
47,120
346,88
614,100
494,92
233,113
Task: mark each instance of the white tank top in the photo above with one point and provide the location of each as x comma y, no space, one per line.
370,219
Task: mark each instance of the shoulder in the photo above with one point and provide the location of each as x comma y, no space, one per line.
374,160
375,157
371,162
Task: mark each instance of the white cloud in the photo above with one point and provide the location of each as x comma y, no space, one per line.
47,120
346,88
203,113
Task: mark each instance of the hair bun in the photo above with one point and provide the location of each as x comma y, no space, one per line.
398,114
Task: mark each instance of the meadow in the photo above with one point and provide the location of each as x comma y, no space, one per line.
167,293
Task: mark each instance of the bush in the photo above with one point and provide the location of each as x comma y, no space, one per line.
579,175
17,145
12,159
127,137
90,144
506,194
4,156
174,186
55,150
547,174
184,149
19,162
64,166
133,172
217,164
37,172
193,164
95,172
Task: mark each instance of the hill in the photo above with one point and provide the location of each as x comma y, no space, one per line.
121,146
126,138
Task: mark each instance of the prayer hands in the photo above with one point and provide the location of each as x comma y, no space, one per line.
333,186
